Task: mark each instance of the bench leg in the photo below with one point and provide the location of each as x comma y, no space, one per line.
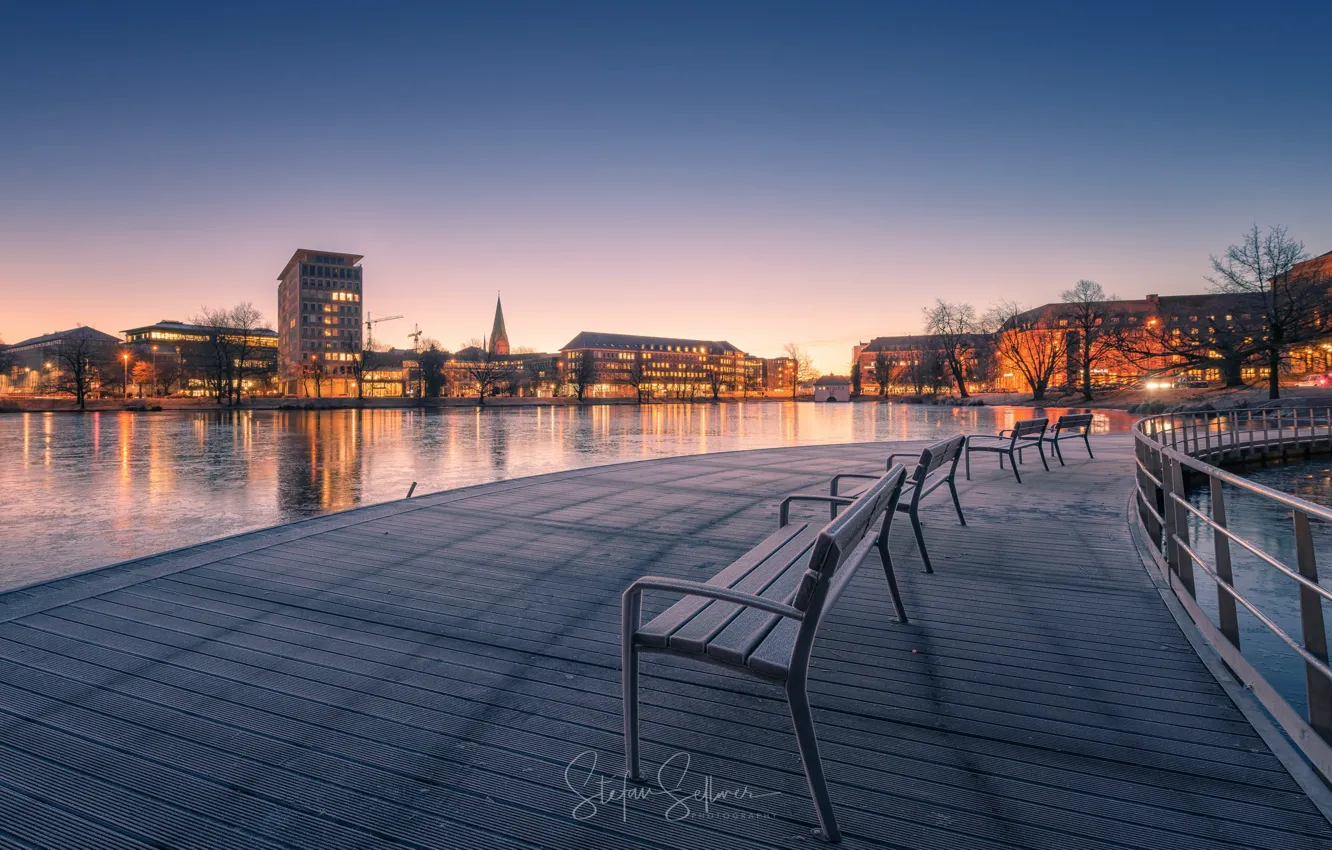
967,451
1059,453
920,539
632,608
1087,440
803,720
957,503
1040,447
892,579
1016,474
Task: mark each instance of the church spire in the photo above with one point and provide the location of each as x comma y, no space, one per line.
499,338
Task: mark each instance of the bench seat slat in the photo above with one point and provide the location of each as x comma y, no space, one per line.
738,640
763,580
657,632
773,656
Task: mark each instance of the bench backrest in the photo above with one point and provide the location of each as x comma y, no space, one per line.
937,456
1080,422
843,542
839,550
1028,427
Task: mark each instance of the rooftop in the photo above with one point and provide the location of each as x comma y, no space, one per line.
81,331
634,342
304,254
185,327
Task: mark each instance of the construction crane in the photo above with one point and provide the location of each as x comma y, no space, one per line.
416,337
370,327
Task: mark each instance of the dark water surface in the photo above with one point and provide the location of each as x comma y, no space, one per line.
1270,528
80,491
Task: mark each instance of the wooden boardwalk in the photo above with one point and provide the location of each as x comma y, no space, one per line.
424,673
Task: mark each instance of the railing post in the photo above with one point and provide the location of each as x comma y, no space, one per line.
1225,603
1266,437
1315,635
1183,563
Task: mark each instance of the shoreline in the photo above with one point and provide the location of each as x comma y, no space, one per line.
1134,401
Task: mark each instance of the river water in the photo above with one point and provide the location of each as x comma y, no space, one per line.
81,491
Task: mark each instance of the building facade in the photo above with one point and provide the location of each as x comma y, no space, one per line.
320,323
37,366
185,357
622,365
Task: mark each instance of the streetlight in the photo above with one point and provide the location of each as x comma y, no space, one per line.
124,358
154,371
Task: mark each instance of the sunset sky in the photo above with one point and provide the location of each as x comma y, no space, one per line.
759,172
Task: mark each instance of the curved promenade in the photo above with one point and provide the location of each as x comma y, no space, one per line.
439,672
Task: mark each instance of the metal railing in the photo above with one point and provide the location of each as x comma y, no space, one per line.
1172,449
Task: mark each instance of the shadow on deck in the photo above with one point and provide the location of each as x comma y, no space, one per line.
439,672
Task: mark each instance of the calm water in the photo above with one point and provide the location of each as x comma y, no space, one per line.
1271,529
84,491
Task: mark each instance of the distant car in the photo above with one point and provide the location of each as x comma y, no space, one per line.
1191,384
1315,381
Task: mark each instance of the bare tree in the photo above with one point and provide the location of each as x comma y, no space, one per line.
221,360
716,381
1029,342
953,327
314,373
243,321
169,372
883,372
802,371
636,376
583,374
489,372
78,367
1089,312
1296,304
856,376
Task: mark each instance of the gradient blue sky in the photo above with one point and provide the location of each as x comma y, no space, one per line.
762,172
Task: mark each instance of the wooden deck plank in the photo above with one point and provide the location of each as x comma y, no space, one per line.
421,673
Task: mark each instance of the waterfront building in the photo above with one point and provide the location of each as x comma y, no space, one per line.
614,365
35,366
320,323
188,356
832,388
914,364
778,372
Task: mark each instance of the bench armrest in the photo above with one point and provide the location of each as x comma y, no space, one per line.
710,591
901,454
837,479
784,512
1007,432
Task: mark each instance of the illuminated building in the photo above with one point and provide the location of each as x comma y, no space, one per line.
319,323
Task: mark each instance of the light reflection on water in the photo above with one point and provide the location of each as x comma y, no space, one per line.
1270,528
79,491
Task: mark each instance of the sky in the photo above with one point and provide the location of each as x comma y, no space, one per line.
760,172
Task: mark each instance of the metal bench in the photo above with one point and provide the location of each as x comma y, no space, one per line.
936,466
1070,426
759,615
1027,433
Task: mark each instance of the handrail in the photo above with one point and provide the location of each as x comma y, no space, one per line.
1171,447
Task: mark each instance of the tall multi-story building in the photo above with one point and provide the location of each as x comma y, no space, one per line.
319,323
